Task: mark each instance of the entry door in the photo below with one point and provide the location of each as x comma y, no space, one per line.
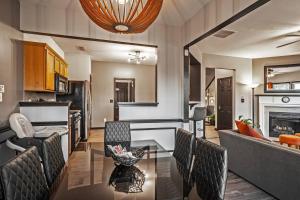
224,103
124,92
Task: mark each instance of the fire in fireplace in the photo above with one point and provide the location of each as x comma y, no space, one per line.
283,123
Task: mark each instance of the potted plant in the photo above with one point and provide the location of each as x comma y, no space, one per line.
212,119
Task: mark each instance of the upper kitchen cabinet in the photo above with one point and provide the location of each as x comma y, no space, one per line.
50,70
40,65
63,69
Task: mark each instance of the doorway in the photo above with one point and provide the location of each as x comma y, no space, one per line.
219,97
224,103
124,91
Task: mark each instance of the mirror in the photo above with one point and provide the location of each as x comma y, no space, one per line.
282,79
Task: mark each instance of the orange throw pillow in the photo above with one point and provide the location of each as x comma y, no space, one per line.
243,128
255,133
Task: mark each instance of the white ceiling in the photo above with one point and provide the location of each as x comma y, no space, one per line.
260,32
174,12
103,51
177,12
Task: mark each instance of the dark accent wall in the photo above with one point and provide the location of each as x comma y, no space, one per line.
209,76
195,79
11,73
186,83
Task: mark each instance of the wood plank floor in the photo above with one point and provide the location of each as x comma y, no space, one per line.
236,188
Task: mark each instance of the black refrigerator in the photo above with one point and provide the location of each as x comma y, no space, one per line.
79,93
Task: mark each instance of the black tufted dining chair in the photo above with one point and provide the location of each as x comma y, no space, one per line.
183,148
53,159
115,133
210,170
23,178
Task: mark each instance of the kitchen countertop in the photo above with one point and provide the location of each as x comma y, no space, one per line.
43,103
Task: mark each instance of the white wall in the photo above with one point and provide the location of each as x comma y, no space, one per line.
103,74
45,39
11,59
243,71
79,66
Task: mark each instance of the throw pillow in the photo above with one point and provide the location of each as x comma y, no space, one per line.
243,127
257,133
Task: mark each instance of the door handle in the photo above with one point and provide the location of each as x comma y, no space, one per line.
219,108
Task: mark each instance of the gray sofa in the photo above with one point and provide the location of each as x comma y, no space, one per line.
268,165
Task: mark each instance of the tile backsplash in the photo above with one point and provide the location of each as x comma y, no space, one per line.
33,96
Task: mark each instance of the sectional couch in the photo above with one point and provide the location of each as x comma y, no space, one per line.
268,165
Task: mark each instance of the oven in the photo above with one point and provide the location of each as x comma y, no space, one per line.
75,129
61,84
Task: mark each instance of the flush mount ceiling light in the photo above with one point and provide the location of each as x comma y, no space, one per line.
122,16
136,57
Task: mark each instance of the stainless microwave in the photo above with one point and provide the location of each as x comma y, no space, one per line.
61,84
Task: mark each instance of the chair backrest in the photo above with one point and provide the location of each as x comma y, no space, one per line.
199,113
210,170
117,131
21,125
183,147
23,178
53,159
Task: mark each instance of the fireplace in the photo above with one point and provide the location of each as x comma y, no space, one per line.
283,123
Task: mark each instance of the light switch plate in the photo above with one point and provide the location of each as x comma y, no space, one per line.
0,97
2,89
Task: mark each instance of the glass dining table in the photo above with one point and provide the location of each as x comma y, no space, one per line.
91,175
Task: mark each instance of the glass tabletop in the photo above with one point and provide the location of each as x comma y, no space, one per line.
92,175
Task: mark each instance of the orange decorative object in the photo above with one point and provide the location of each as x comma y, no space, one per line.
290,140
242,127
122,16
270,85
254,133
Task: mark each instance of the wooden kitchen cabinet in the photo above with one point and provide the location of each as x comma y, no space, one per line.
34,70
57,65
50,68
40,65
63,69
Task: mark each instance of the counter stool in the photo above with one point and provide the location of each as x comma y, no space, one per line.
290,140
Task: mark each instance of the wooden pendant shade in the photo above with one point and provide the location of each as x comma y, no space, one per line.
122,16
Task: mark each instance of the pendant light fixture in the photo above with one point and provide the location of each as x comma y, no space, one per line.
122,16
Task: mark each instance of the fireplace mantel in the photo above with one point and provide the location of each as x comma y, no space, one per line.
277,95
276,103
